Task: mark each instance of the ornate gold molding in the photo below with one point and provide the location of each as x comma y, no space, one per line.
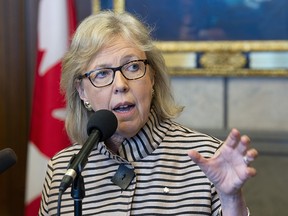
223,59
119,5
96,7
227,72
204,46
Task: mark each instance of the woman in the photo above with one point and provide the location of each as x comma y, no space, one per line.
172,170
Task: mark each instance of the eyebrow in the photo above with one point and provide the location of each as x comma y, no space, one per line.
124,60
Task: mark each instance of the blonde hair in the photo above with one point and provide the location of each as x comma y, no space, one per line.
94,33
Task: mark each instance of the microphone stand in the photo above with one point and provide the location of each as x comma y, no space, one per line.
78,193
77,189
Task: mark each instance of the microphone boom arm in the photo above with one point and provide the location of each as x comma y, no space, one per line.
79,163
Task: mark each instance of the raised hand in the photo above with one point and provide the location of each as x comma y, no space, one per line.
230,167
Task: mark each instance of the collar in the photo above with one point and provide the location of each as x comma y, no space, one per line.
142,144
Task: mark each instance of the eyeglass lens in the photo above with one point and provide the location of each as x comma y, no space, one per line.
105,76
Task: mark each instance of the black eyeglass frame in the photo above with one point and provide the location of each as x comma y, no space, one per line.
114,69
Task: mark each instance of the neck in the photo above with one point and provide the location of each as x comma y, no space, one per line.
114,143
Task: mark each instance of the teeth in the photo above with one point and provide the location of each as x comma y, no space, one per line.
123,108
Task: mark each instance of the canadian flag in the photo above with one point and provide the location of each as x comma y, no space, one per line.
56,23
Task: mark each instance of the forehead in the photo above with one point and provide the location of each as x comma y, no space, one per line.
118,50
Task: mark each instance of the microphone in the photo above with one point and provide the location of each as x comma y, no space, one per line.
101,126
7,159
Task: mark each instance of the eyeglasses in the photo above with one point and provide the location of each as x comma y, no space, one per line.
105,76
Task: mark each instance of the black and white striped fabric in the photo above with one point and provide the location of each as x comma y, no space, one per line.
166,181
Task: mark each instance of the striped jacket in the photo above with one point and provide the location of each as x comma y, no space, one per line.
165,181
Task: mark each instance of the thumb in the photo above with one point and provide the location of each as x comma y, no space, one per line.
196,157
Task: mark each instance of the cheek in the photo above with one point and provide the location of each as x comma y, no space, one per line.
144,96
99,99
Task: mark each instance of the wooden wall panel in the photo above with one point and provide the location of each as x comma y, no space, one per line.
14,104
18,31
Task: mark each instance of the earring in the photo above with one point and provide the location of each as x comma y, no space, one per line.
153,92
88,106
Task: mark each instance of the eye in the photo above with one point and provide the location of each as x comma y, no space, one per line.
133,67
100,74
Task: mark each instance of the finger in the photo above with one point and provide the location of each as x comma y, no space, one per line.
233,138
251,172
243,144
250,156
196,157
252,153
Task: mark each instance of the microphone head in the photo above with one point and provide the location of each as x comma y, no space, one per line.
103,120
7,159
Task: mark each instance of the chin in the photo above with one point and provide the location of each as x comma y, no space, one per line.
127,133
128,129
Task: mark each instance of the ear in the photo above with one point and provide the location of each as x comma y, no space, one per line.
81,90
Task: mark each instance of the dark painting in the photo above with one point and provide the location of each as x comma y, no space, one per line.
196,20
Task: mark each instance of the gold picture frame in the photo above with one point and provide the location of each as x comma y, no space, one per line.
220,58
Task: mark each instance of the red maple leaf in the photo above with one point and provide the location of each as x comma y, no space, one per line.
47,132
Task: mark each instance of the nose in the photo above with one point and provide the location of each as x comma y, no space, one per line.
120,82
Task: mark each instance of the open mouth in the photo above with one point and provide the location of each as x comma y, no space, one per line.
124,108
